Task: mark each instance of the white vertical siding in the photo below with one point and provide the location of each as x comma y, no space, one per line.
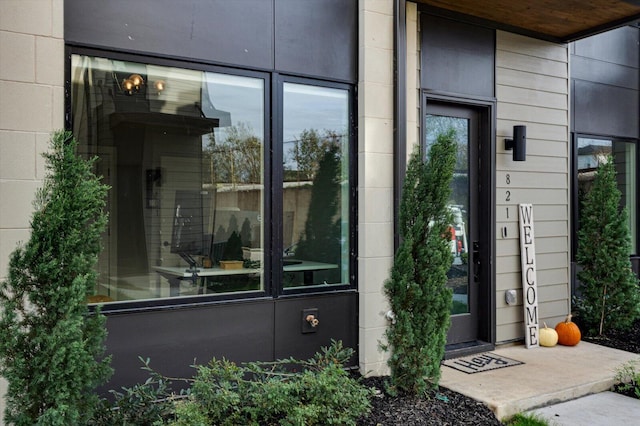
532,89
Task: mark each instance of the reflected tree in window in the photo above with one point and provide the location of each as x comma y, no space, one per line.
320,240
236,158
307,152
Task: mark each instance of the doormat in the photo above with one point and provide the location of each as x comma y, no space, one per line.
480,362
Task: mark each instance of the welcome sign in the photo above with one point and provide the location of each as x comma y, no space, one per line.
529,279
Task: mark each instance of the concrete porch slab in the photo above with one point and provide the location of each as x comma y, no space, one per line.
548,376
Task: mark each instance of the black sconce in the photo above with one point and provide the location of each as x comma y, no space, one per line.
518,144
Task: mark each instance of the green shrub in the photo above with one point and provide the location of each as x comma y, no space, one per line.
609,296
257,393
149,403
51,347
260,393
417,290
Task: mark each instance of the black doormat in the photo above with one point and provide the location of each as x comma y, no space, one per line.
481,362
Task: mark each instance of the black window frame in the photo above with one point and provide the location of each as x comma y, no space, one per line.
575,202
272,207
277,157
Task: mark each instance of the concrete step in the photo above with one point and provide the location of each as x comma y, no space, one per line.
547,376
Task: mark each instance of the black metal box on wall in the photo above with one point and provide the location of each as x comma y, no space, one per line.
313,38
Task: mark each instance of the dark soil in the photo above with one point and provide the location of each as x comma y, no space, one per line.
442,407
445,407
625,340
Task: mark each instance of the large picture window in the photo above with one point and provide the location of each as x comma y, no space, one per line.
183,153
187,153
591,152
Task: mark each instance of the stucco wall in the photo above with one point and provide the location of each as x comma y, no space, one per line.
532,89
31,106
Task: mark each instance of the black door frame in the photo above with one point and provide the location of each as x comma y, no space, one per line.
485,108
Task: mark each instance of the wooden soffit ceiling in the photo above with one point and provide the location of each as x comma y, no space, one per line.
559,21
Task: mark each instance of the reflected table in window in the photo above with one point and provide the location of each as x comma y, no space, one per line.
176,274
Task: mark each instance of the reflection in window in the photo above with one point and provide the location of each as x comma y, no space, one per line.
315,186
183,153
593,152
458,275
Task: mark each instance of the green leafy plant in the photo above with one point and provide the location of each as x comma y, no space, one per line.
609,296
417,290
317,391
51,347
628,379
526,419
269,393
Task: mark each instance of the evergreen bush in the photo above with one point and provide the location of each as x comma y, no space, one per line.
50,345
417,289
223,393
259,393
609,296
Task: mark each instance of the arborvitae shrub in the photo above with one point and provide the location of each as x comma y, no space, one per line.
50,345
417,289
609,297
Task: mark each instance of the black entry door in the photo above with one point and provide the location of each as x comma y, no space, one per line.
464,276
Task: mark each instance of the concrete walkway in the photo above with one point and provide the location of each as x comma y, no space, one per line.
549,376
600,409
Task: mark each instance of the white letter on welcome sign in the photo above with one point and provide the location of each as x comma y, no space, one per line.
529,279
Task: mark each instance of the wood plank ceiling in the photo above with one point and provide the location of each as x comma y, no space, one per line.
560,21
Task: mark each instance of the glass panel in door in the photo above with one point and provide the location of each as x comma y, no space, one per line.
459,203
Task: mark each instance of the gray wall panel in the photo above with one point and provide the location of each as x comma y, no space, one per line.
605,83
317,38
237,32
337,315
604,72
173,339
606,110
457,57
240,331
313,38
618,46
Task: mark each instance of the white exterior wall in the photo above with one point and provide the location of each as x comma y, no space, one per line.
532,89
31,106
375,165
375,176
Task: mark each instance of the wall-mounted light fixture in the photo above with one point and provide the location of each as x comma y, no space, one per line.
518,144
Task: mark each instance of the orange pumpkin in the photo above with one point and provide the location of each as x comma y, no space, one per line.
568,332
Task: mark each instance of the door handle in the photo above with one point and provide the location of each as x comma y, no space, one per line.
476,261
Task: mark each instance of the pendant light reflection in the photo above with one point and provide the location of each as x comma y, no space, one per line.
159,85
134,83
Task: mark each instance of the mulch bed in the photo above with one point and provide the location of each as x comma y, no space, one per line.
442,407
